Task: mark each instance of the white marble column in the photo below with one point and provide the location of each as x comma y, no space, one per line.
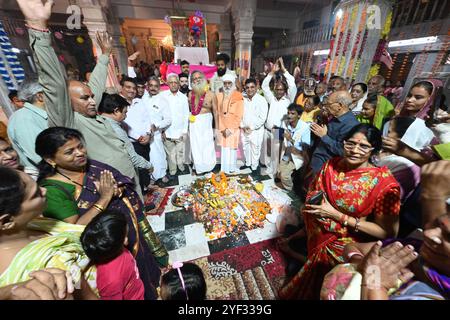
243,17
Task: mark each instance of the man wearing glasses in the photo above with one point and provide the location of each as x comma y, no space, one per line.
332,136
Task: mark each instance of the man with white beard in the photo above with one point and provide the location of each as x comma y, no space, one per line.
201,135
230,109
157,114
252,125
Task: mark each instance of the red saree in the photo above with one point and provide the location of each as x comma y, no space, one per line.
357,193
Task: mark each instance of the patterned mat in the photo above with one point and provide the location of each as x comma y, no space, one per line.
253,272
160,197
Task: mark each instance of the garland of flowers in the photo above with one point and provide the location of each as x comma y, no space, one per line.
358,60
357,49
345,52
340,42
332,41
382,43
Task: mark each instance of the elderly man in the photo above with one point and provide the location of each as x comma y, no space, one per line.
384,106
26,123
279,101
76,106
216,82
157,117
228,115
337,83
252,125
175,135
332,136
321,90
308,92
201,135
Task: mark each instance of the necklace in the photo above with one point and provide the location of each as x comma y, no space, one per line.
195,110
77,183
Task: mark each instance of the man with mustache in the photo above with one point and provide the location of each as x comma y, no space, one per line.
201,135
230,109
216,82
75,106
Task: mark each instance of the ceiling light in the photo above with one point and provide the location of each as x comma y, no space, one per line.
412,42
324,52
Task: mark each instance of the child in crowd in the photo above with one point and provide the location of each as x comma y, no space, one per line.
368,110
185,281
104,240
312,109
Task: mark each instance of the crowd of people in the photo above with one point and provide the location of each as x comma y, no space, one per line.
77,158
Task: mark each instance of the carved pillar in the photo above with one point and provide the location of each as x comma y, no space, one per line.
243,16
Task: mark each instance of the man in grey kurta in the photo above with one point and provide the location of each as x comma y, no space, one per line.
101,141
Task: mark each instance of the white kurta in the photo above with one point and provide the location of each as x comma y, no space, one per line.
158,114
255,115
277,113
201,137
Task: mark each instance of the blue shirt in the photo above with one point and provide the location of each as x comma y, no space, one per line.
23,127
331,145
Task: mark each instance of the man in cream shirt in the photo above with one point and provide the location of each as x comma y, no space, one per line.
175,135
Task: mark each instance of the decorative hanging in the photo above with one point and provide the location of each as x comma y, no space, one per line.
134,40
122,40
196,22
80,39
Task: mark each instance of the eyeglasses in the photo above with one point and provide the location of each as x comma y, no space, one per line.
350,145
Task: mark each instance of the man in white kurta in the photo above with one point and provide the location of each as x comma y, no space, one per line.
159,118
252,125
279,101
175,135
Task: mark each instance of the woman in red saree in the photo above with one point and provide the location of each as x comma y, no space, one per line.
360,202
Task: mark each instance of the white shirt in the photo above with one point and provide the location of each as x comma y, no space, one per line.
278,108
157,111
255,112
179,111
136,124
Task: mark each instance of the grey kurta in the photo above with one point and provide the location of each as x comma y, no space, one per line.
102,142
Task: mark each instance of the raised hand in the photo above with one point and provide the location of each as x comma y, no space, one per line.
385,268
104,40
36,13
134,56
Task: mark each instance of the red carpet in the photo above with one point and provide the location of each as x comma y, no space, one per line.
252,272
160,197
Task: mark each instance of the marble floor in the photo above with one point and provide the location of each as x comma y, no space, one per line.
185,239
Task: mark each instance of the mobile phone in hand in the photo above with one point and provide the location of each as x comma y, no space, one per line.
316,199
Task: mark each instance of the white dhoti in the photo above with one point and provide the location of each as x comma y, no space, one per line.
228,160
270,155
158,157
251,145
201,139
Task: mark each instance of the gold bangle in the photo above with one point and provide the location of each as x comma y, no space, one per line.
99,207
